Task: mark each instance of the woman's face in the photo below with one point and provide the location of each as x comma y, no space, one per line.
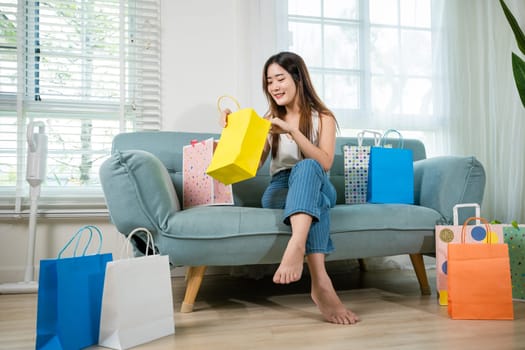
280,85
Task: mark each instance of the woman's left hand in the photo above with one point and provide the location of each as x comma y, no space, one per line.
279,126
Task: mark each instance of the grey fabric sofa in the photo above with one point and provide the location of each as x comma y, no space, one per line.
142,183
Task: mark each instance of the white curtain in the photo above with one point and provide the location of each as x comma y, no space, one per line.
480,100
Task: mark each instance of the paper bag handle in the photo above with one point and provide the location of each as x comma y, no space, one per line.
465,205
485,222
149,241
361,134
389,131
77,236
231,98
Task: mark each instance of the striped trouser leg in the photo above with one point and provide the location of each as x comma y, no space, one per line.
311,192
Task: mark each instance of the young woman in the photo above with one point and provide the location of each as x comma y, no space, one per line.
301,143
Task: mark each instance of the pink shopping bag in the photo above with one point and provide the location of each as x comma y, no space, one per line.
198,188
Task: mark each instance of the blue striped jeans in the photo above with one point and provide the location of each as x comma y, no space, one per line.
304,189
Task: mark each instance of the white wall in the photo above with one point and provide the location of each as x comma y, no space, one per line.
212,48
52,234
207,51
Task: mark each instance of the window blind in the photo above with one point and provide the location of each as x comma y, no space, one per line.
88,69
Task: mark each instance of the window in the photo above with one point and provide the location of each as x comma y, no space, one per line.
87,69
370,60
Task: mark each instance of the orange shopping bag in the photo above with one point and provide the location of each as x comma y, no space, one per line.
446,234
479,284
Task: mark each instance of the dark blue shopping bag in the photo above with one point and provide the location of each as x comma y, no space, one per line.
70,297
390,174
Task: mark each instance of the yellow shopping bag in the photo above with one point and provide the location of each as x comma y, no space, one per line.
240,146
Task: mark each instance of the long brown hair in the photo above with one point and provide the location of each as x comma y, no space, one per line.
308,100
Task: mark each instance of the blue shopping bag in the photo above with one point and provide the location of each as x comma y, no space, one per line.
70,296
390,173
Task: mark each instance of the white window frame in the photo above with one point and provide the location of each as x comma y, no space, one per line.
364,117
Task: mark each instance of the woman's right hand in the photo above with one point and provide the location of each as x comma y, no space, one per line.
223,119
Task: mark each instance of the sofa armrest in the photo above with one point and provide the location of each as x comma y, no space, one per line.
138,191
442,182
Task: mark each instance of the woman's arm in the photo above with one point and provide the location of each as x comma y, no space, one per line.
265,152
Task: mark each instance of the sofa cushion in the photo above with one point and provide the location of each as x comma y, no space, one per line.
224,222
146,193
241,235
365,217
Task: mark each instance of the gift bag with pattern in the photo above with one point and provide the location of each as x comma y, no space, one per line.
514,236
199,188
446,234
356,168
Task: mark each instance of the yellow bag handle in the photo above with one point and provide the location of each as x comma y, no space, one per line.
231,98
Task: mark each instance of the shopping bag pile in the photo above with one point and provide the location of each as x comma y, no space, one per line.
88,298
240,146
199,188
70,295
479,282
380,173
446,234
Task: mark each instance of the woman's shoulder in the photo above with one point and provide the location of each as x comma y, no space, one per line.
322,114
323,117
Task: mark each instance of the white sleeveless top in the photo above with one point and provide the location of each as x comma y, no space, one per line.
288,153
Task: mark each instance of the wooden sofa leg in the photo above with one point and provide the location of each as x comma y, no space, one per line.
194,276
362,265
421,273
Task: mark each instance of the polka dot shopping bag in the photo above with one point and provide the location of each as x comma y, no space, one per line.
514,236
356,159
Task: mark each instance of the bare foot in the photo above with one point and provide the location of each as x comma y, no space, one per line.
291,267
331,307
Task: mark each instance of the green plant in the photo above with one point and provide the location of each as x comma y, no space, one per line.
518,64
514,223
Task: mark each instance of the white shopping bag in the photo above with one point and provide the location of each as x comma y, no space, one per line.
137,304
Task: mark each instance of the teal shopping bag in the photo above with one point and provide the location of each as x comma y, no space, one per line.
390,173
70,296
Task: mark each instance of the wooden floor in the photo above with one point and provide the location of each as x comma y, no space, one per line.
239,313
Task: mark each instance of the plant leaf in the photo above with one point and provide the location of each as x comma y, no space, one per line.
514,224
518,33
518,68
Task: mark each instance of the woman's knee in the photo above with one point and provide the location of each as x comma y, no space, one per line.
308,165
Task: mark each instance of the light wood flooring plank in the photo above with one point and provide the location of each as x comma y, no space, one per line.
239,313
